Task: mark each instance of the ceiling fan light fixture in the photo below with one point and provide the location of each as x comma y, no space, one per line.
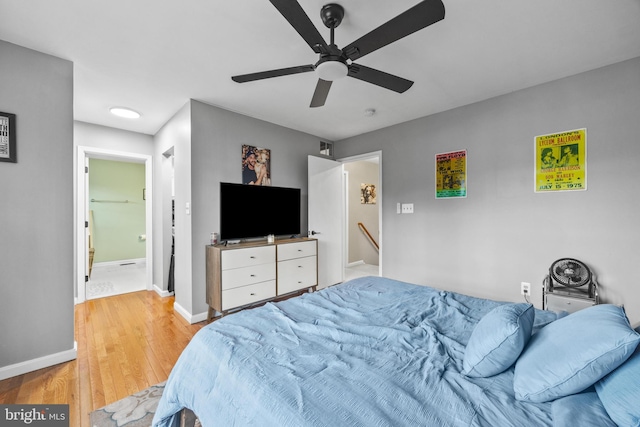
332,70
127,113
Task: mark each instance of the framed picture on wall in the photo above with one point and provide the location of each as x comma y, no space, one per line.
451,175
367,194
561,161
256,165
8,138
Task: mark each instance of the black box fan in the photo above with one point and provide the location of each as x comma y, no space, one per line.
570,276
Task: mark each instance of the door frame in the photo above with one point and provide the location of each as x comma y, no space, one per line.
82,207
358,158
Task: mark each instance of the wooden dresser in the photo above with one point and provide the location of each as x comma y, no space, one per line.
247,273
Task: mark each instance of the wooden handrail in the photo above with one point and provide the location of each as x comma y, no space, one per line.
363,228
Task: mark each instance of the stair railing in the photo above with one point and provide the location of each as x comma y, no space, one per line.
371,239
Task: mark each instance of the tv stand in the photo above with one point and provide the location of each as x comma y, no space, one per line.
247,273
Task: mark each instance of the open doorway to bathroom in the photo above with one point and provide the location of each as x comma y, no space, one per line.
117,229
363,215
114,248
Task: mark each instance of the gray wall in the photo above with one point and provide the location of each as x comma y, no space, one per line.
36,208
503,233
175,136
207,145
216,147
103,137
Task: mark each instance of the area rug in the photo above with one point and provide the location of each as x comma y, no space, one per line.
136,410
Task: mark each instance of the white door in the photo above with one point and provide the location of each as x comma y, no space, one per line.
326,217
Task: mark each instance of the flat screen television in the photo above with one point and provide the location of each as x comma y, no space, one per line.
251,211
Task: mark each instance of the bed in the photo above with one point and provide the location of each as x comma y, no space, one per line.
380,352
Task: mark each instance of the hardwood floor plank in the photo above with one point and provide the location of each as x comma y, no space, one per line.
126,343
9,389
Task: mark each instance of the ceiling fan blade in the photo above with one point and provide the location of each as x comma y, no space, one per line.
296,16
422,15
320,94
379,78
273,73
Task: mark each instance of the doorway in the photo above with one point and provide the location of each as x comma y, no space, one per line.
363,215
328,213
84,218
117,239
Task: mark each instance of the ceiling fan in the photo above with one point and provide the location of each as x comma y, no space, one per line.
335,63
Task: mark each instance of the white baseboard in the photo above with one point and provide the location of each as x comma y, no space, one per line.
118,262
191,318
353,264
162,292
197,318
39,363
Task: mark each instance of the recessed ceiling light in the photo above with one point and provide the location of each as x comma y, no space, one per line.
124,112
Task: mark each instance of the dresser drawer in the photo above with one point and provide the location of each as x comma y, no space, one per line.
237,297
246,257
296,274
248,275
296,250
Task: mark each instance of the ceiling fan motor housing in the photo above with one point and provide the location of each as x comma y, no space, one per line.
332,15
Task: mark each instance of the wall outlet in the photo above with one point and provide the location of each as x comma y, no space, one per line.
525,288
407,208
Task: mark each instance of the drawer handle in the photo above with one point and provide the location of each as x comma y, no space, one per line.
252,293
299,266
253,275
299,250
252,257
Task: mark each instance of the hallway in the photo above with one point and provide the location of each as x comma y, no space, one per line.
360,270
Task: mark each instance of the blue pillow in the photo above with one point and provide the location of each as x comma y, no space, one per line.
583,409
574,352
620,392
498,339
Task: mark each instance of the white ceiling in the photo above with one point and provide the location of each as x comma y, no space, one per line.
153,56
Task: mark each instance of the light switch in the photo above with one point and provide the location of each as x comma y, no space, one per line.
407,208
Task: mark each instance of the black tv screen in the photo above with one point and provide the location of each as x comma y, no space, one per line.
248,211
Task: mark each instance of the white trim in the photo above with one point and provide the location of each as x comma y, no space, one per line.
196,318
163,293
39,363
119,262
82,153
353,264
346,239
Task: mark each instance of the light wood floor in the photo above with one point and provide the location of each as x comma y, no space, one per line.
126,343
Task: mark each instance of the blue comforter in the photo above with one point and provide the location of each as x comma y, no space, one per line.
370,352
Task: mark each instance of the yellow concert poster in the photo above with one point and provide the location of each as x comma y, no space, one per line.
451,174
561,161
